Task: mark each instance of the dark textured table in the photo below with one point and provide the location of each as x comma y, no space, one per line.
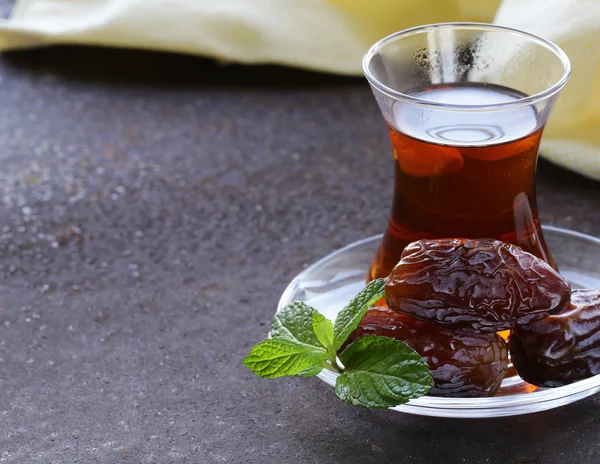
153,209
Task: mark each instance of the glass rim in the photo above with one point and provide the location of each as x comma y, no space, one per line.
524,101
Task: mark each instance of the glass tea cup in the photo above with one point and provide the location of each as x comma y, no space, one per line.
465,105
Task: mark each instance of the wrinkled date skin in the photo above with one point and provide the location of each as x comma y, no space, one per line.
462,364
562,348
474,285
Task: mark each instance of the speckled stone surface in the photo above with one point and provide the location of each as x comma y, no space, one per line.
152,210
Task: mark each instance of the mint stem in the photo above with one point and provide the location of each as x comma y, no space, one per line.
329,366
333,365
339,368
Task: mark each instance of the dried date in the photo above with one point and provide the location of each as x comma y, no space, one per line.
462,364
474,285
561,348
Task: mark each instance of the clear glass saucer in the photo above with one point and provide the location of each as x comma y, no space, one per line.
330,283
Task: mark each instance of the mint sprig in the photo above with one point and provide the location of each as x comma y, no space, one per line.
375,372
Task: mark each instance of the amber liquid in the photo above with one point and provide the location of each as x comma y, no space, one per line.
473,179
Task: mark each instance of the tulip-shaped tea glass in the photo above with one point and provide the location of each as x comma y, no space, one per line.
465,106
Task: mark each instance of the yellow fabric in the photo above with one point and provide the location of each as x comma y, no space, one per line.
329,35
572,135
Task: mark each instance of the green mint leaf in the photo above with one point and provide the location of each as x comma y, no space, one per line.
381,372
323,329
294,322
311,371
277,357
349,317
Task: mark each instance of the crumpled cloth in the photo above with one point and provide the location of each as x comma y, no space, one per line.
329,35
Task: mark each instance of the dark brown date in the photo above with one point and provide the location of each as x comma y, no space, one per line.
462,364
562,348
474,285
